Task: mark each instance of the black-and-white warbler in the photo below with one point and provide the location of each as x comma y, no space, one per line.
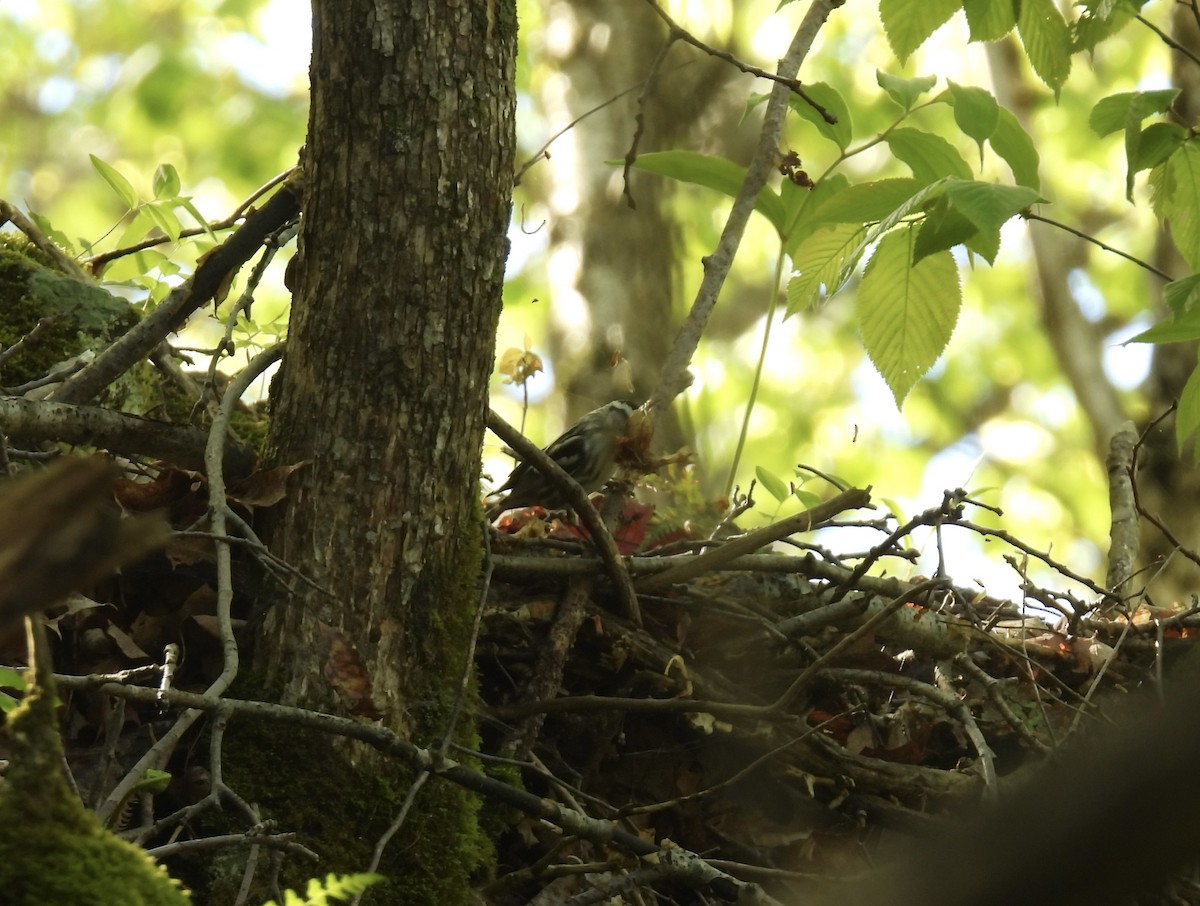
586,451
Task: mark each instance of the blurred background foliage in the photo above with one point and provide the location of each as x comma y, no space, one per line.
597,288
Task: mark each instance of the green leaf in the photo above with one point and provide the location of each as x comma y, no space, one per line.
971,213
908,23
943,228
712,172
976,113
1015,146
841,132
187,205
985,244
162,213
1187,415
807,499
1180,330
1096,25
906,314
1117,111
990,20
1184,325
1140,106
1047,41
867,201
905,92
918,202
1181,296
137,229
801,206
987,205
166,181
118,183
1176,185
12,679
153,781
58,237
1158,142
929,156
821,264
773,484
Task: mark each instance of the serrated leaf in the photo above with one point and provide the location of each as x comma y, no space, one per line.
1181,297
712,172
1158,142
989,20
1141,105
985,244
929,156
908,23
906,314
1014,145
821,264
118,183
867,201
917,202
1176,185
1047,41
801,206
1177,330
987,205
976,113
970,213
166,181
1187,415
773,484
1094,26
905,92
943,228
1117,110
840,133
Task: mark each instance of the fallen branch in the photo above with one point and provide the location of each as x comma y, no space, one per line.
117,432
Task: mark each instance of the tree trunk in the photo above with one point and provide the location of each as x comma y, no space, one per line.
384,391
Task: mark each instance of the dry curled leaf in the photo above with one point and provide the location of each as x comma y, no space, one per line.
265,487
346,673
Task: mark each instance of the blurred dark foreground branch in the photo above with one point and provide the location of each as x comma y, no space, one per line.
1111,817
60,531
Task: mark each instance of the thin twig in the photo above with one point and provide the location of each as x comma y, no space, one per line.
674,377
1029,215
752,541
1168,40
682,34
65,263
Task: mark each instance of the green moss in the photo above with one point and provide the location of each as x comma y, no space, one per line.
52,850
45,863
85,316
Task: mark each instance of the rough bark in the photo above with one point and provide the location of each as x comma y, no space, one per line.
384,384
